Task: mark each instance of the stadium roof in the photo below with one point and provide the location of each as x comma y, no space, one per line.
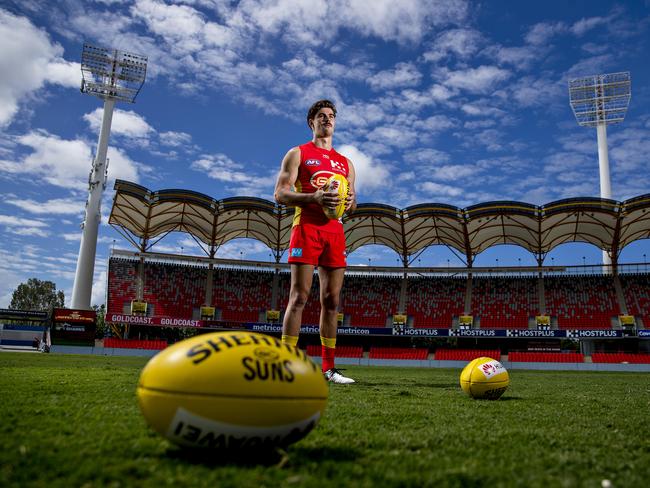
144,217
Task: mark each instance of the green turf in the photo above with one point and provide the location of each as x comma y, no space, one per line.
73,421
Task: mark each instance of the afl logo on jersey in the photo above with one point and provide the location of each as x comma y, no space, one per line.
319,178
312,162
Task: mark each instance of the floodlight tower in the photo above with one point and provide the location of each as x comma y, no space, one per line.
598,101
113,76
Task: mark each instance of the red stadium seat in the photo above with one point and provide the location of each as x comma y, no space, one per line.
545,357
340,351
631,358
504,303
466,354
398,353
585,302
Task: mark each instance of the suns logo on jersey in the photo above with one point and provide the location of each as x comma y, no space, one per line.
319,178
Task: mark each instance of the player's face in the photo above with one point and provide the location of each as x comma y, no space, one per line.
324,122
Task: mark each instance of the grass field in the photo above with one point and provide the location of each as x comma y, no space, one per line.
73,421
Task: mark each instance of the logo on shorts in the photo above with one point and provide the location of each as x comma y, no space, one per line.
296,252
312,162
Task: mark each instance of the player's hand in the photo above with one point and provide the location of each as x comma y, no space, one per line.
329,199
349,200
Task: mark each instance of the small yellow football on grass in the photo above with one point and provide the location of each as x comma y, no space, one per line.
232,390
339,184
484,378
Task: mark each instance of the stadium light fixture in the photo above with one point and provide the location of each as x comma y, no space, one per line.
113,76
598,101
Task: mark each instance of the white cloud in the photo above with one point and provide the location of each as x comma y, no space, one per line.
28,61
481,109
398,136
520,57
175,139
584,25
426,157
475,80
243,249
438,190
124,123
221,168
55,206
98,296
540,33
370,174
435,123
301,21
403,75
66,163
454,172
591,66
459,42
24,227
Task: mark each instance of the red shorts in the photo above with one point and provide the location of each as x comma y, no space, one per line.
311,245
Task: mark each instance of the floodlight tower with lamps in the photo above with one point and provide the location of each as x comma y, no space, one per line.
598,101
113,76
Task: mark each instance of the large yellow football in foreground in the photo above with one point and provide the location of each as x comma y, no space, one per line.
232,390
339,184
484,378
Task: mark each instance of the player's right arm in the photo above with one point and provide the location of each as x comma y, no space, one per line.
285,193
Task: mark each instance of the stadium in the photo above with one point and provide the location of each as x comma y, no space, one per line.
185,373
574,340
527,310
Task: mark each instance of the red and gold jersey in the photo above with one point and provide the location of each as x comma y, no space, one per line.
316,166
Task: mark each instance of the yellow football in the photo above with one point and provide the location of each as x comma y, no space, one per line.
232,390
484,378
339,184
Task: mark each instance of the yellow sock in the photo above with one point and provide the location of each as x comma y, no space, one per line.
328,342
289,339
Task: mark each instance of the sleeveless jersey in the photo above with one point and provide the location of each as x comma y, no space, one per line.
316,166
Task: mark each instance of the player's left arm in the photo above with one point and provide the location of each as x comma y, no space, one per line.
351,203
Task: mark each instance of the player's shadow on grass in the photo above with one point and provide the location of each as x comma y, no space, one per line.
269,457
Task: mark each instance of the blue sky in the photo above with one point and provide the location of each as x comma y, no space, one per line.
453,102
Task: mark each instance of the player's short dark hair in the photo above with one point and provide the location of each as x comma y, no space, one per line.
313,110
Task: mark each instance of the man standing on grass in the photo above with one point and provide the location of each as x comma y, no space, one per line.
316,240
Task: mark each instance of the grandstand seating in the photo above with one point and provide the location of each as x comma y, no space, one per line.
620,357
545,357
311,312
122,274
377,352
504,303
585,302
242,295
636,290
466,354
174,289
433,302
134,343
339,352
370,300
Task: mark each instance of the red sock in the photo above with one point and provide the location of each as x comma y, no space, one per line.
327,353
